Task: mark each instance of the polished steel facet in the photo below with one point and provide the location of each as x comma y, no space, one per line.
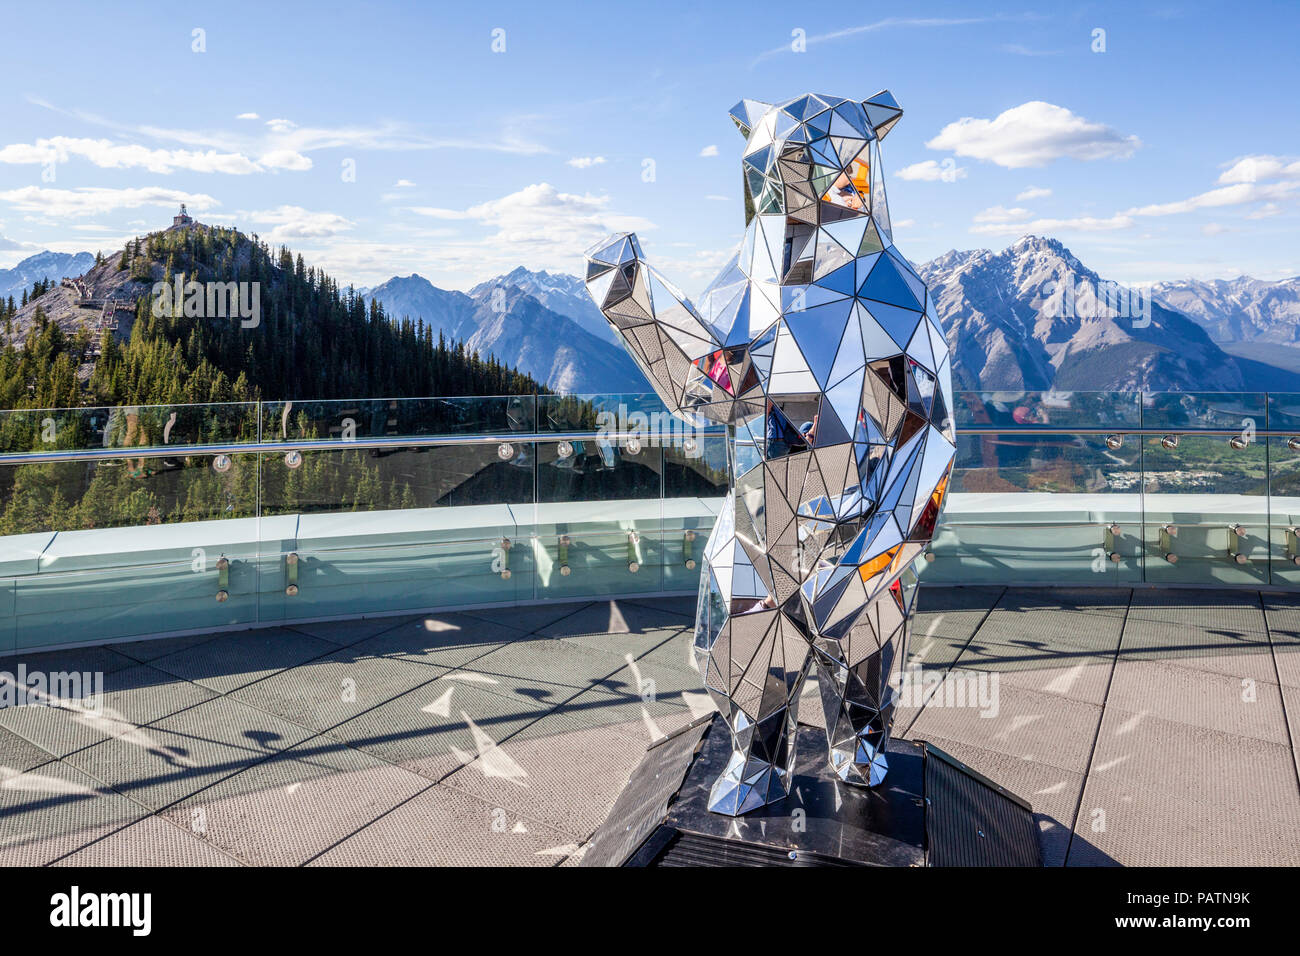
820,349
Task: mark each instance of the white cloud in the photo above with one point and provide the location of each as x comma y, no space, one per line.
1033,192
247,116
281,125
295,222
930,171
403,184
709,151
1041,226
285,159
538,226
1240,194
1251,169
1002,214
1214,229
94,201
110,155
903,223
583,162
1033,134
1266,211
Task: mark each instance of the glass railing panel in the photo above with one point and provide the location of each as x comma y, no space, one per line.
57,429
348,419
105,549
1016,410
1040,509
598,521
383,529
696,480
617,412
1207,504
1200,411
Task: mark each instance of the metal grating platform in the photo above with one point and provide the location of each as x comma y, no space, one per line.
1145,727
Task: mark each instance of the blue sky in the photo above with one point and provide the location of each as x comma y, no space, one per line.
390,138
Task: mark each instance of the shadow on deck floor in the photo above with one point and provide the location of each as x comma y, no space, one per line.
1146,727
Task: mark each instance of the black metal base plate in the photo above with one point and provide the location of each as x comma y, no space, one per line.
662,818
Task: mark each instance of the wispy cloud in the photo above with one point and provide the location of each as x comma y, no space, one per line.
1039,226
538,225
886,24
109,155
1019,49
93,201
584,162
709,150
1033,192
294,222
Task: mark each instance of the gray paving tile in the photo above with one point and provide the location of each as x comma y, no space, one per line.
603,618
658,717
346,633
680,606
148,650
233,660
1218,631
635,643
1286,661
1055,622
448,827
516,669
1027,724
331,690
150,842
288,809
528,617
429,729
179,755
100,659
1135,826
132,697
562,773
20,754
1198,698
1196,763
54,809
448,640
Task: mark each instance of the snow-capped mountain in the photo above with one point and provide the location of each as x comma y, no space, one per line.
502,318
1238,310
1033,316
560,293
43,265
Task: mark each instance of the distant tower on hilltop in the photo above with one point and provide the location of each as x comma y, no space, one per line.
183,219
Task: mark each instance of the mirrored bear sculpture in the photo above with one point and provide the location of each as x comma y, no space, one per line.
820,349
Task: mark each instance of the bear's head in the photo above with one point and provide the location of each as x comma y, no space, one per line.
814,158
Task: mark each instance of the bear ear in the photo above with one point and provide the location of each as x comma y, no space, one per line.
746,113
883,112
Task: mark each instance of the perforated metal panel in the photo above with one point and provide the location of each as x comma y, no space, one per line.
971,821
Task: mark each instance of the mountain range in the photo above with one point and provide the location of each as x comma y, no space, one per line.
43,265
1009,324
504,318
